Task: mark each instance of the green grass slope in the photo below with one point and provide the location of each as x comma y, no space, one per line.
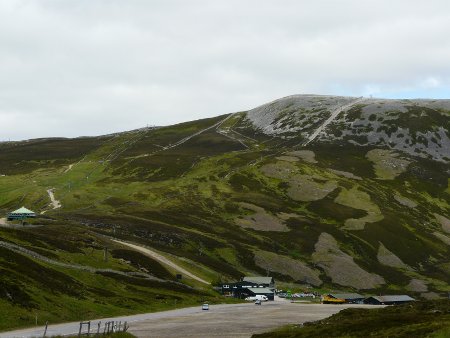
420,319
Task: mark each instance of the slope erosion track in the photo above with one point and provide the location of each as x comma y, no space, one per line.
335,113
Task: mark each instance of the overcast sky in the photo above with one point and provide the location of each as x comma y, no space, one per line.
90,67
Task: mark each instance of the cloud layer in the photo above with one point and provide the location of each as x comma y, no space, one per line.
71,68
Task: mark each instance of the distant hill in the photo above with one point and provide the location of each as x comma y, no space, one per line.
334,192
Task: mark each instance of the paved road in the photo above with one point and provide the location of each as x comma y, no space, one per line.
230,320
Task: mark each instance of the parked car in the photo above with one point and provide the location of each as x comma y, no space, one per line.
262,298
258,302
205,306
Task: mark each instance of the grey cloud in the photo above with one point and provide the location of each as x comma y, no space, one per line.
84,67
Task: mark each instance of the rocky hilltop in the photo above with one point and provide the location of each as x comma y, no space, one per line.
417,127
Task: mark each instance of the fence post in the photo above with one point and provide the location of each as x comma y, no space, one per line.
79,331
125,327
89,328
98,328
45,331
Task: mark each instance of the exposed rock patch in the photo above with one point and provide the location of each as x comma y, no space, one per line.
340,267
345,174
288,266
444,221
388,258
287,158
295,115
387,164
304,188
430,295
405,201
442,237
306,155
260,219
417,285
281,170
285,216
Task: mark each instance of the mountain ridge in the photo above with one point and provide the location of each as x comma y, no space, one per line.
358,208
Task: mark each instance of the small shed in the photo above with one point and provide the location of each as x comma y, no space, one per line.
21,214
261,291
348,297
388,300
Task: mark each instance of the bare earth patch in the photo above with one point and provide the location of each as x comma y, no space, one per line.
281,170
288,266
405,201
305,188
305,155
442,237
387,163
287,158
386,257
260,219
357,199
345,174
285,216
417,285
340,267
3,221
430,295
444,221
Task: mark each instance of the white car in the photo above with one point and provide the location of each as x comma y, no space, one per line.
262,298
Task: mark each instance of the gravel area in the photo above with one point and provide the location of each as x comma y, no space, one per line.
242,320
230,320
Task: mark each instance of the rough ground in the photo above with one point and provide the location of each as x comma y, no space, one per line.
386,257
287,266
340,266
260,219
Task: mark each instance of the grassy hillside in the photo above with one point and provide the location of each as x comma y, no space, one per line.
364,206
421,319
33,284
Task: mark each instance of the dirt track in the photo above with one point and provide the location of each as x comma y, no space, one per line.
161,259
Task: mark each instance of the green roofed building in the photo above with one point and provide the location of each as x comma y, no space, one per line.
21,214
